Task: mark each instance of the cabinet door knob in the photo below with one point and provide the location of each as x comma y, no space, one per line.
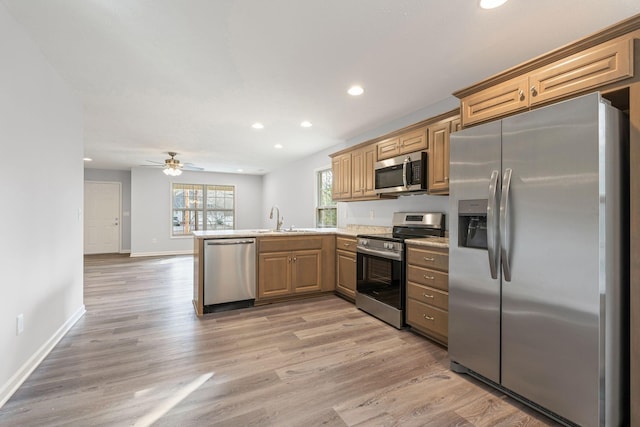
427,317
534,91
521,95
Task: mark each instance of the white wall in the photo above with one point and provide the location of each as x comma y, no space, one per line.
151,207
124,178
42,199
380,212
292,187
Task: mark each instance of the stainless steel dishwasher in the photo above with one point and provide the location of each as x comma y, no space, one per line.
229,274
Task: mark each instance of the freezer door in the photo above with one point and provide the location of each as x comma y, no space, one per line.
550,226
474,296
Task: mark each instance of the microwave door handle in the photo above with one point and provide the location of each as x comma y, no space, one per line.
404,172
492,225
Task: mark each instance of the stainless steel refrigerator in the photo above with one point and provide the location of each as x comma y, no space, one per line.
538,259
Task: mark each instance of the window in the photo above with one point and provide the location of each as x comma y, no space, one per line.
202,207
326,212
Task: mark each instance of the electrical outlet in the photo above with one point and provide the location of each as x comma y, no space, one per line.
19,324
154,240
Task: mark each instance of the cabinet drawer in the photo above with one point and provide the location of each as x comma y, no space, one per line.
508,97
427,295
346,244
432,278
428,259
278,244
428,318
594,67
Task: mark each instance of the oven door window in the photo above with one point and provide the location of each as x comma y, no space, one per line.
389,177
382,279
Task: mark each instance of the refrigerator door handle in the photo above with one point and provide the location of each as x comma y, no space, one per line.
504,225
492,225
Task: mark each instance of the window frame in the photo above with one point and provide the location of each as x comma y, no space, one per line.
318,191
203,210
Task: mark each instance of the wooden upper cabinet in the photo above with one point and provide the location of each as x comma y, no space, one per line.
413,141
594,67
388,148
438,168
506,98
408,142
456,124
589,69
341,171
362,174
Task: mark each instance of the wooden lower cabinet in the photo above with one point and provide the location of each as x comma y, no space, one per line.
428,291
346,267
293,266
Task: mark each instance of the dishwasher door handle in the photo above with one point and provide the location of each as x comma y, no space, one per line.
234,242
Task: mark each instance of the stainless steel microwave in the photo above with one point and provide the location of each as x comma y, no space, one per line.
402,174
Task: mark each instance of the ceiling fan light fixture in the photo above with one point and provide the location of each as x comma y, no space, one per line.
172,166
171,171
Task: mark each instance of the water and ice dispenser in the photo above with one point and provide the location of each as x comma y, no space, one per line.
472,223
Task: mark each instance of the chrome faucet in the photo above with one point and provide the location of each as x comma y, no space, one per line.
279,221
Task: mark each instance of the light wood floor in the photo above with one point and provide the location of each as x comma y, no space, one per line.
140,351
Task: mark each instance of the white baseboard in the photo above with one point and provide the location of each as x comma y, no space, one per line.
7,390
141,254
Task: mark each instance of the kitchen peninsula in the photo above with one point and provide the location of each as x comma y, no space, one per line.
279,253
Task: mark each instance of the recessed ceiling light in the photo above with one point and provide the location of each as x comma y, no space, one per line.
306,124
257,125
491,4
355,90
87,159
278,146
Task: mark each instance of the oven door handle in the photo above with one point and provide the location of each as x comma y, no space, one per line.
380,254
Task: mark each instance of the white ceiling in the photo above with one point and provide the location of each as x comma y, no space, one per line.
192,75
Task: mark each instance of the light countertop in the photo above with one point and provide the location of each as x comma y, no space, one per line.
437,242
350,231
229,234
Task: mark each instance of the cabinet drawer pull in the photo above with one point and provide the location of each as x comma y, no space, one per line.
428,277
427,296
347,244
429,259
427,317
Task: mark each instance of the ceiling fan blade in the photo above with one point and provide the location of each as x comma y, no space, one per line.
191,167
153,161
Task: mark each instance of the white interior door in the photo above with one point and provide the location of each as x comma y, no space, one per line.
101,217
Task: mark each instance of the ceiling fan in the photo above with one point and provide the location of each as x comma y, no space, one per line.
172,166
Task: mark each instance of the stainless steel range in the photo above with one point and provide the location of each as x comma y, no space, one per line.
381,284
